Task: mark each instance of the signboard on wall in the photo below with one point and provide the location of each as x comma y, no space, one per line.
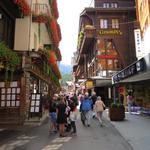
138,43
110,32
131,70
89,84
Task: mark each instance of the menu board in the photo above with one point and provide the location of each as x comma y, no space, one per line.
10,96
35,103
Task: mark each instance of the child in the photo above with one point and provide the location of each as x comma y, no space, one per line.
73,118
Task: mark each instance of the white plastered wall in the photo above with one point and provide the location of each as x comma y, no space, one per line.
22,34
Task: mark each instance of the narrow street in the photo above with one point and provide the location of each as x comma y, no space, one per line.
88,138
56,61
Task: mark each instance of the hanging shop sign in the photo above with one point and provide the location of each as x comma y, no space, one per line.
129,71
110,32
89,84
138,43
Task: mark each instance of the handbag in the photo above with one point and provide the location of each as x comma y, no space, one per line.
104,107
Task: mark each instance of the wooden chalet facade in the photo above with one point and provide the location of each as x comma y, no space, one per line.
105,44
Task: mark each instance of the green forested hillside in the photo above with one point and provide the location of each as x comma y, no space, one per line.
66,77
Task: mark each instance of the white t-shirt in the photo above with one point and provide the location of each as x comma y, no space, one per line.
73,115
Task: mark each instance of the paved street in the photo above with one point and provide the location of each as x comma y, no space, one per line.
88,138
135,129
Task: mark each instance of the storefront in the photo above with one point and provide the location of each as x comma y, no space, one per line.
102,87
136,79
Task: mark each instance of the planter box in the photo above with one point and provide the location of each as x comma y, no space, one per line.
117,114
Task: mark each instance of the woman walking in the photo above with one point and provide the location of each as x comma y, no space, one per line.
99,107
61,116
73,118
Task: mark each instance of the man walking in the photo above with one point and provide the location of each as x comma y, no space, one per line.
86,109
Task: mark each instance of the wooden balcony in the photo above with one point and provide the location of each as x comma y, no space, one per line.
89,31
40,13
87,42
38,70
33,69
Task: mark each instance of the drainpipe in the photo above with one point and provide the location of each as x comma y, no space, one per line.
30,28
85,66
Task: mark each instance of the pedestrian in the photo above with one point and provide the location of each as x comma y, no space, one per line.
52,115
99,107
121,98
67,113
82,115
74,99
94,98
61,116
86,109
129,101
73,118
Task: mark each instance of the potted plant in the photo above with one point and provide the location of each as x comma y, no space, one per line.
116,112
9,59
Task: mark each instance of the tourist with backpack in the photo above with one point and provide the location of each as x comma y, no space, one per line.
86,109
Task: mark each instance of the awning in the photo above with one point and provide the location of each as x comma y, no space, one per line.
137,78
103,82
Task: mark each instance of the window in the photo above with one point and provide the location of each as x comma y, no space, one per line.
105,5
107,55
115,23
114,5
110,5
101,47
103,23
110,64
7,26
116,64
110,47
103,64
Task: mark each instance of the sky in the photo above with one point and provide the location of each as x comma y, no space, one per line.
69,12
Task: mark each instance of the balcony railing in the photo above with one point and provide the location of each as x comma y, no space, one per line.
40,13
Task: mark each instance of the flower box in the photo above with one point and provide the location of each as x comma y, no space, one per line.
117,113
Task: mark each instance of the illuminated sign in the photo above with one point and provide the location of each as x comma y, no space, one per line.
110,32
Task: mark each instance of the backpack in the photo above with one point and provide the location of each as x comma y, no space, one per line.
86,105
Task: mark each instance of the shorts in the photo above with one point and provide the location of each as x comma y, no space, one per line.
53,117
